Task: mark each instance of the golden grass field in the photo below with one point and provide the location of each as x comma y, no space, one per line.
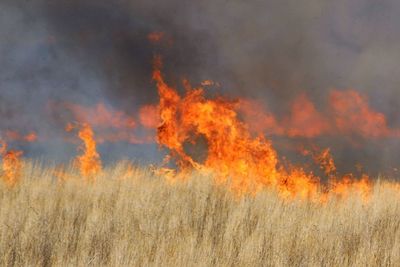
138,219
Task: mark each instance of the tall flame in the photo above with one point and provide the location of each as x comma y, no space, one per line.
89,162
233,154
11,164
248,163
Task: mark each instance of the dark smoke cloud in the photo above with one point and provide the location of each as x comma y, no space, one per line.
111,37
85,51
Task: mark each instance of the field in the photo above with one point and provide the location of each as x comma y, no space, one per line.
130,217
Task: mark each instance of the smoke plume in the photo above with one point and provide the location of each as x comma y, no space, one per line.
87,52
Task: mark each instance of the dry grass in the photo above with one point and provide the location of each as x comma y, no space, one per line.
143,221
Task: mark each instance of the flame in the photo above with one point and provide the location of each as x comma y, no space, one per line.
348,113
326,162
353,115
233,154
258,119
209,83
237,152
101,116
31,137
348,185
155,37
17,136
305,120
89,162
11,165
160,38
323,158
148,115
246,162
111,125
343,187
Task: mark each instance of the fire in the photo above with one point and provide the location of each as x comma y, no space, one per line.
353,115
305,120
111,124
209,83
148,115
231,135
31,137
89,163
249,163
155,37
11,165
347,113
258,119
233,154
17,136
100,115
347,185
323,158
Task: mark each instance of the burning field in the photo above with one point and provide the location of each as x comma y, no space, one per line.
128,137
241,205
131,217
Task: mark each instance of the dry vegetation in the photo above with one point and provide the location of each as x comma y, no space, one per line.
142,220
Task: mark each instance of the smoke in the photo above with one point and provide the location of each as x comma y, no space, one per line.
273,51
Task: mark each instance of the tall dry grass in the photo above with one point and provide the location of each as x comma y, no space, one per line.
142,220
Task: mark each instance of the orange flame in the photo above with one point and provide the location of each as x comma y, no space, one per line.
89,163
12,164
233,154
353,115
305,120
348,113
155,37
258,119
248,163
348,185
111,125
323,158
101,116
149,116
16,136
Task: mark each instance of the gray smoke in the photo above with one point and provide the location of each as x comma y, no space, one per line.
85,51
